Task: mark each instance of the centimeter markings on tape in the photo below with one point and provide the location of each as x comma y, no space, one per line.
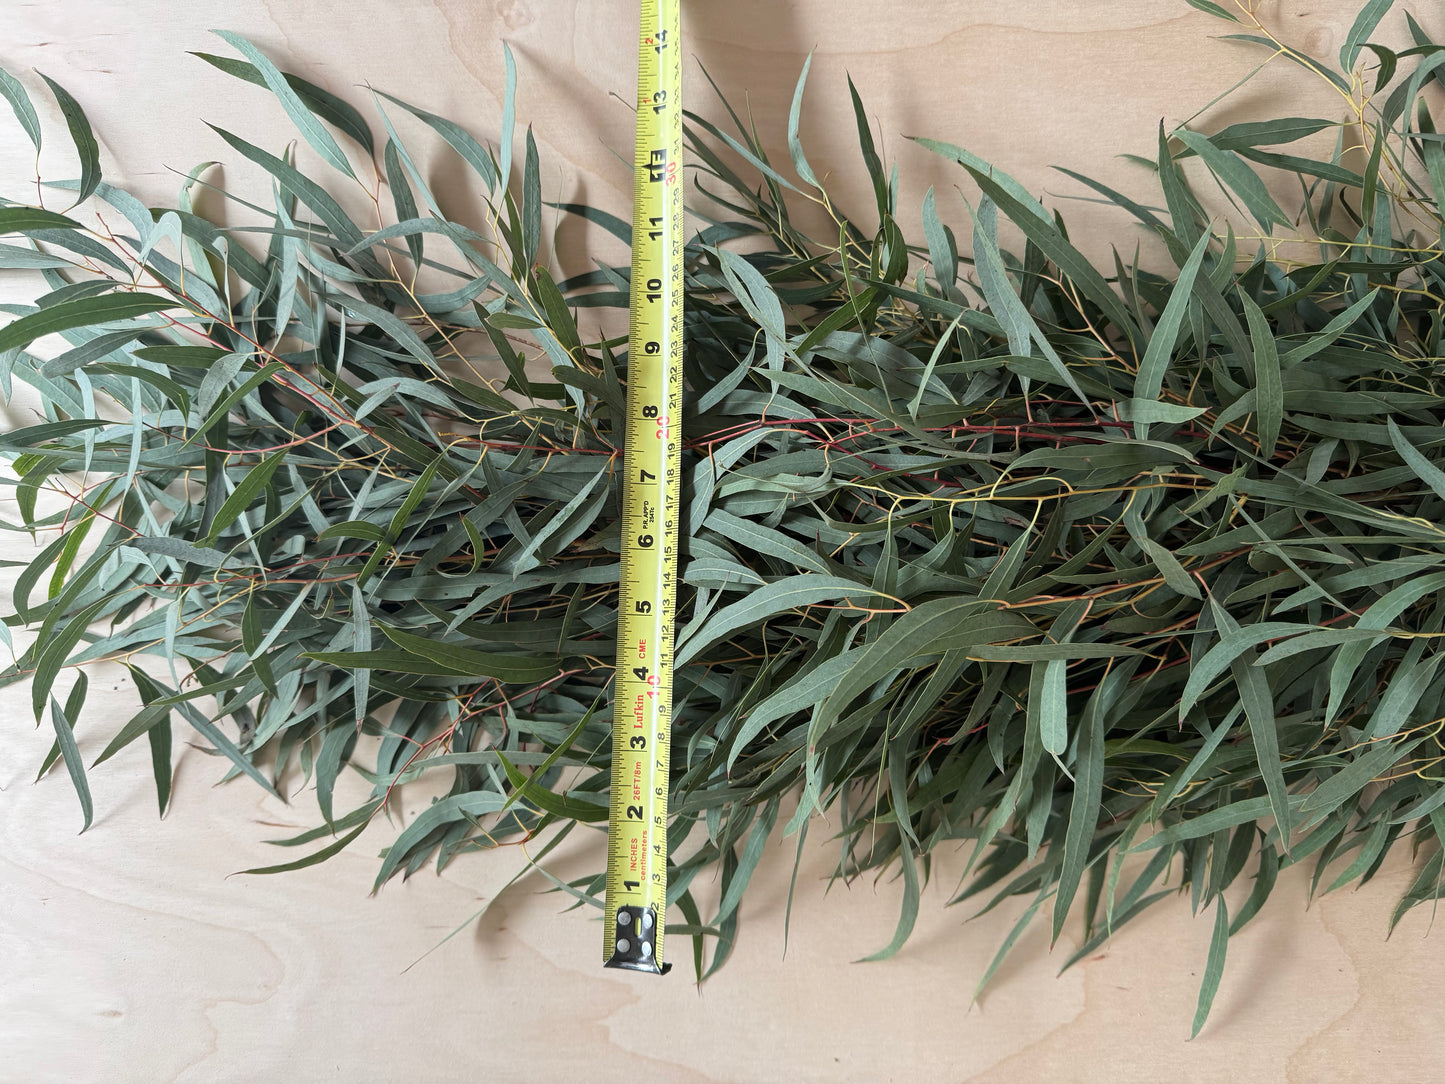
636,907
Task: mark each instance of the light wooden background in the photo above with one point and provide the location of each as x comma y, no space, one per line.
131,954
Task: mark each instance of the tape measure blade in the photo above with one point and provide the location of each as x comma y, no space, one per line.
636,904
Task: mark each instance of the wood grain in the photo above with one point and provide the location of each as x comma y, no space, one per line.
132,953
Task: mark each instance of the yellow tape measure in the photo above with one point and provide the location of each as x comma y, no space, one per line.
636,909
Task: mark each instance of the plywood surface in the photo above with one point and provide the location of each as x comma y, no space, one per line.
131,953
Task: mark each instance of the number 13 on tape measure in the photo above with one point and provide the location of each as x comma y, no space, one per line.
636,908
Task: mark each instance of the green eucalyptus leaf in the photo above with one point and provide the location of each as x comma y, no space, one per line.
299,98
80,134
28,219
20,103
1213,966
81,312
1364,25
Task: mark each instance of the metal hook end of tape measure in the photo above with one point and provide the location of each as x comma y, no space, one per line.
634,947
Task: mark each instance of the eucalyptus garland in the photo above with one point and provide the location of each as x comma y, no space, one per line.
1131,583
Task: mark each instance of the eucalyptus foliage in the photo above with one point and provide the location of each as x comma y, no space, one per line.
1133,583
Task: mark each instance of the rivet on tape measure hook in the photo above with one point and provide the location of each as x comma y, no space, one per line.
636,907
